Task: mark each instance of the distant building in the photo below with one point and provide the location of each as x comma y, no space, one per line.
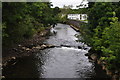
73,16
77,16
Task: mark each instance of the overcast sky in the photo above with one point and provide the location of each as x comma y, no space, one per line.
60,3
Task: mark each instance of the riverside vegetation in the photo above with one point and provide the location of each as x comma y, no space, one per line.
103,33
22,20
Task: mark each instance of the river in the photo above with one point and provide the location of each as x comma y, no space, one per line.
64,61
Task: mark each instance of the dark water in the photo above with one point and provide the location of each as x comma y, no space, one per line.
58,62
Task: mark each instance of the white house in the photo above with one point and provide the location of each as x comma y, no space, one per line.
73,16
77,16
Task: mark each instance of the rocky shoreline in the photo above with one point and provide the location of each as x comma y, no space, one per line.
114,74
73,24
26,48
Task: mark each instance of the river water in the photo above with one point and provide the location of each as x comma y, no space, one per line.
58,62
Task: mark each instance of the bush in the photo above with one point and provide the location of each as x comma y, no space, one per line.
112,38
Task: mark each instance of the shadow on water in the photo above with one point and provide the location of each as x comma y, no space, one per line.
25,68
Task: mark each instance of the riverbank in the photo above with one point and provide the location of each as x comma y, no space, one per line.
74,24
114,74
26,48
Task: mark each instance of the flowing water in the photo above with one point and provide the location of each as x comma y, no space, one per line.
58,62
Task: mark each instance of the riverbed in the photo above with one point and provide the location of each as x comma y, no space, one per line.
66,60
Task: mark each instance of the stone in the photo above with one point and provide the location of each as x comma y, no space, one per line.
0,64
115,77
79,47
3,77
98,61
15,49
33,47
85,48
38,47
108,72
104,62
87,54
24,48
13,57
116,72
27,49
43,45
94,57
103,67
42,34
19,45
50,46
14,63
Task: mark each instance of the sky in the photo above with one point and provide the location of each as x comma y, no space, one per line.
60,3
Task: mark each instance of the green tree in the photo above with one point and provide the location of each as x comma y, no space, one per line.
21,20
103,32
